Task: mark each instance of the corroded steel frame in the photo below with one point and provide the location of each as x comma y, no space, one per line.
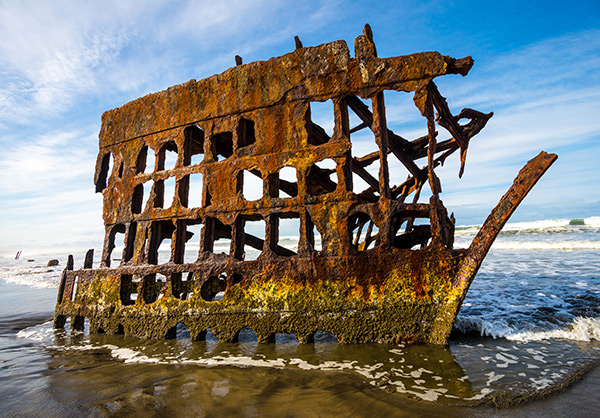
399,281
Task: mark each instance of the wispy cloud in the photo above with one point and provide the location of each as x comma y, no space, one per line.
543,70
49,54
53,54
47,193
39,165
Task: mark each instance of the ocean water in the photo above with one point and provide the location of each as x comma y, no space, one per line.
529,326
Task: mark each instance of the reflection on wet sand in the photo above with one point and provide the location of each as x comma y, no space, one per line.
109,375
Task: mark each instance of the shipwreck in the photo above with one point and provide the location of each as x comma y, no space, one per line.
371,263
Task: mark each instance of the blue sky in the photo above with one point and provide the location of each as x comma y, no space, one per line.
537,66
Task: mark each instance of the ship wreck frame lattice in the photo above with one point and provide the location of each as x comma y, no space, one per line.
371,263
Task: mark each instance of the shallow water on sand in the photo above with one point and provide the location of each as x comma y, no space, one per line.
530,323
61,373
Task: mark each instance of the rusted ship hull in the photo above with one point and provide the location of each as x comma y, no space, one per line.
386,270
401,296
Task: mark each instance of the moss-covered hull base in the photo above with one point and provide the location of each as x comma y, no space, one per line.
379,295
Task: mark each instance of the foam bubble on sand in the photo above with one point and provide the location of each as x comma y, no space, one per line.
506,361
128,355
430,395
540,383
493,377
408,379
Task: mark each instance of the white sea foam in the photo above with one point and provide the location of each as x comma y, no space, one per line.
565,245
41,277
487,328
581,329
130,356
409,379
552,234
37,333
547,225
31,269
593,221
547,245
493,377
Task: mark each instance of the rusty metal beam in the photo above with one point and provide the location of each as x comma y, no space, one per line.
522,185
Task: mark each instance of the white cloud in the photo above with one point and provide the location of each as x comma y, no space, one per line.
43,164
49,54
56,56
546,69
55,53
47,191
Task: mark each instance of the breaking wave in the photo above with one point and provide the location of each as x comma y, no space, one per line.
565,245
40,277
553,234
583,225
580,329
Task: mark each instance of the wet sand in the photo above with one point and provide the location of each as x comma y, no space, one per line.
580,399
